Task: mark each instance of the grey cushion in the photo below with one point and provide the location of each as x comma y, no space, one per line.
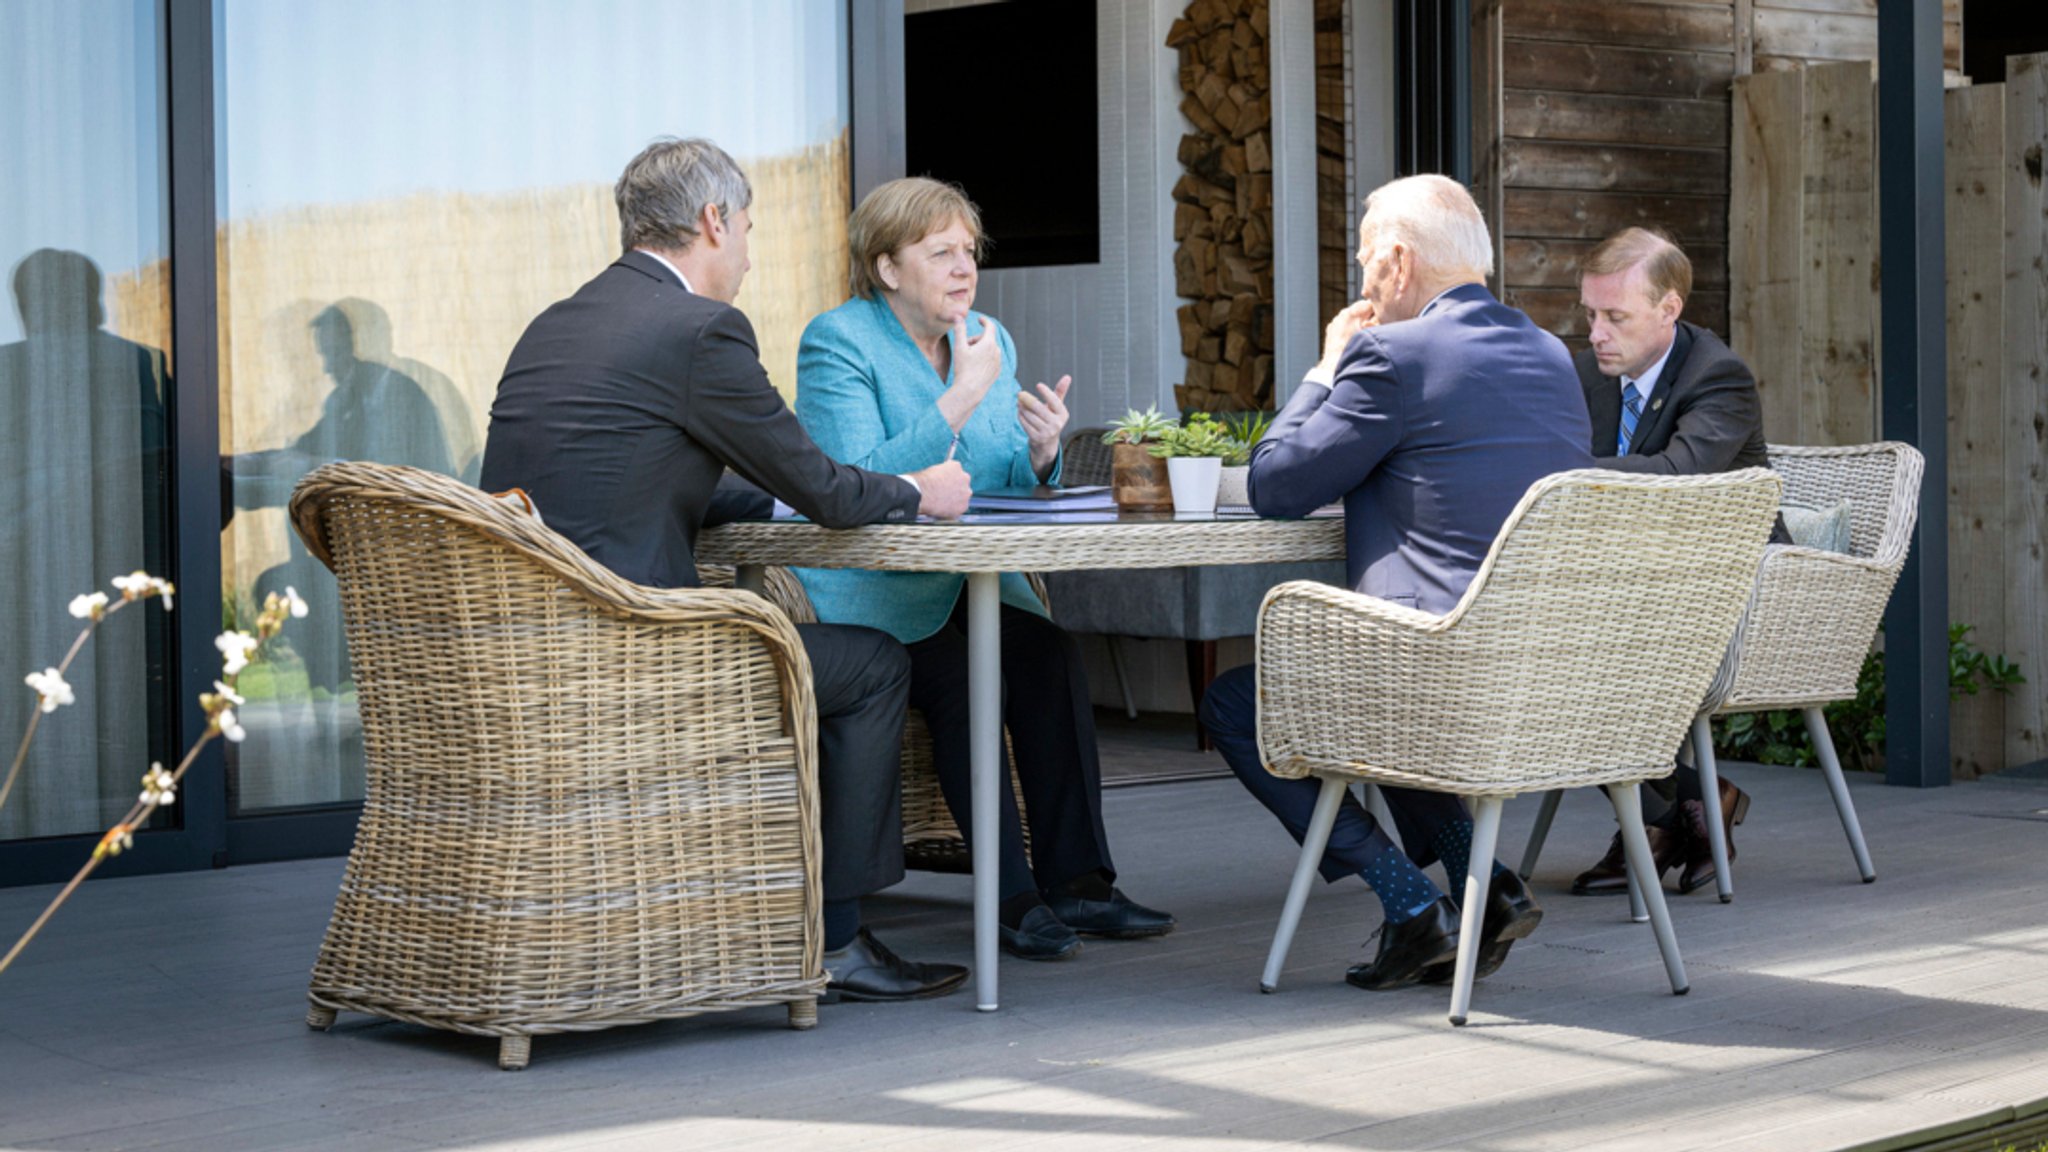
1823,528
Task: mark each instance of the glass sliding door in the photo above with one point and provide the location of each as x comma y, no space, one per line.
403,186
84,383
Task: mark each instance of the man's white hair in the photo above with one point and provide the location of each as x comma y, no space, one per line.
1436,219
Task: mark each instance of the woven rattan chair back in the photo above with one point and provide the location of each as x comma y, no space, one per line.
1881,482
1087,459
1577,656
588,803
1815,613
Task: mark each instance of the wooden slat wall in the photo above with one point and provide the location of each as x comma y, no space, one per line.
1612,115
1616,114
1838,305
1805,314
2026,404
1765,241
1973,168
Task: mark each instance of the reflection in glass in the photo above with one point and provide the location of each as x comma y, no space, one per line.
401,195
82,398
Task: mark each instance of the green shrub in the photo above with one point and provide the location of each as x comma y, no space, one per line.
1857,724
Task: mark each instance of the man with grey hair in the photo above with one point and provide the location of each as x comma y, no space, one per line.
1433,409
619,412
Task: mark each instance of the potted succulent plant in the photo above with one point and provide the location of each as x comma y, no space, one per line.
1194,454
1244,430
1138,479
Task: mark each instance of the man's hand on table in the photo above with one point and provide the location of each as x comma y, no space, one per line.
944,489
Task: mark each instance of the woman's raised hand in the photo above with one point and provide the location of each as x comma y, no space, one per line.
1044,416
977,361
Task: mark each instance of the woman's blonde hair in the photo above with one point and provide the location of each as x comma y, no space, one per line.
901,213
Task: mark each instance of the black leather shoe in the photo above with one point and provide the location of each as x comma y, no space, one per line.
1699,857
1511,914
1409,947
1039,936
1118,918
867,970
1610,876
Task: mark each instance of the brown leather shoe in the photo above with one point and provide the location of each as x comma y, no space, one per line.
1699,856
1610,876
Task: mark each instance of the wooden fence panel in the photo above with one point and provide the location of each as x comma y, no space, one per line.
1612,167
1838,404
1766,175
1973,146
1566,66
2026,404
1640,25
1599,118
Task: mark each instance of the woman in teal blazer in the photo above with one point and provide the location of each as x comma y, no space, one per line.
901,377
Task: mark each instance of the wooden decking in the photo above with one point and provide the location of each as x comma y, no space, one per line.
166,1012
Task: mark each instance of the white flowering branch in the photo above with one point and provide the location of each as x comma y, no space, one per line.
51,691
159,787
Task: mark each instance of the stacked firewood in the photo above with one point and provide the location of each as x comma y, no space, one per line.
1223,207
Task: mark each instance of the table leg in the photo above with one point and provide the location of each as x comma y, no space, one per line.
985,730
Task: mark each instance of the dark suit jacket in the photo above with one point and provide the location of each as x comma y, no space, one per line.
1702,416
622,406
1434,429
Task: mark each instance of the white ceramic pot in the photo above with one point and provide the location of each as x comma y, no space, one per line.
1194,480
1231,487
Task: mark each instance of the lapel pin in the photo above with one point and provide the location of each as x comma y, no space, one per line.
1657,404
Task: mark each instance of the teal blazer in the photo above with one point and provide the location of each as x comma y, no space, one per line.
869,398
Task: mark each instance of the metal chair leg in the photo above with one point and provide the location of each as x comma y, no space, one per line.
1638,908
1376,803
1831,767
1635,845
1123,678
1478,872
1312,846
1710,799
1539,833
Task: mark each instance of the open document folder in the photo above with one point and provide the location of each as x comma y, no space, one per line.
1081,498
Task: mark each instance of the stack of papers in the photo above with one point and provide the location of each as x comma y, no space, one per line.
1084,498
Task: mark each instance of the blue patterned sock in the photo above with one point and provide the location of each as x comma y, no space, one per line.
1453,846
1404,891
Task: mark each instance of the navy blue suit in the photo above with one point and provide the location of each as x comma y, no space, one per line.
1432,430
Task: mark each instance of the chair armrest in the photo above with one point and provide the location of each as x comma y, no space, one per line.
1808,627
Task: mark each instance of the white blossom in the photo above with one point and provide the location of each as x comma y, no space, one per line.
292,601
139,585
158,787
50,689
228,694
89,606
231,727
235,648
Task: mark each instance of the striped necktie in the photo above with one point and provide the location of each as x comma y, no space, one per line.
1631,411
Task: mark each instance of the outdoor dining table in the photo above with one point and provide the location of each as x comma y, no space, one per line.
982,546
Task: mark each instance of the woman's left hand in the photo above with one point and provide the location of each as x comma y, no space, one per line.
1044,416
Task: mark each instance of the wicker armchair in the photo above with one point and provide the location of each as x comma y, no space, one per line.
1809,623
1575,658
931,840
589,803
